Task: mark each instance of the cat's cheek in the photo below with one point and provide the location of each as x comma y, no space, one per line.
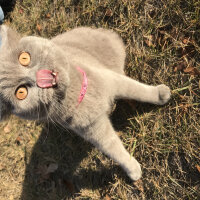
36,105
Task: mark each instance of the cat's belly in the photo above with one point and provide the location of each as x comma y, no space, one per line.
82,58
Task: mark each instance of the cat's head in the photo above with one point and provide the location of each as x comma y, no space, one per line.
32,76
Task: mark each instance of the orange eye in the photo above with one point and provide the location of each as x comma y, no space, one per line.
21,93
24,58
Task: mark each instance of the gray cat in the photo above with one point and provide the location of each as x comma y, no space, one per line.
72,80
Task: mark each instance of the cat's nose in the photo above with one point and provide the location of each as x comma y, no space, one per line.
46,78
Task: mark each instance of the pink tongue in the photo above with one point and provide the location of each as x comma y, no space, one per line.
45,78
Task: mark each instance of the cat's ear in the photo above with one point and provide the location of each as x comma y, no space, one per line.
8,38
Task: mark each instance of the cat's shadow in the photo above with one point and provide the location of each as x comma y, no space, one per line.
66,155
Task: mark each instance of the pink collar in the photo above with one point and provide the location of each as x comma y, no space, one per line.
83,86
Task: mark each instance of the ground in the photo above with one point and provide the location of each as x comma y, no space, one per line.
44,162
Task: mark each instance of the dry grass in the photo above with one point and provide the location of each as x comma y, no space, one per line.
163,46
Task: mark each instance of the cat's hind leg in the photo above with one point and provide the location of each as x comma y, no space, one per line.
103,136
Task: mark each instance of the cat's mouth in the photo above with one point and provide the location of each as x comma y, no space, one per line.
46,78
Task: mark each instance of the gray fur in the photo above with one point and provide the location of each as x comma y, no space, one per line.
101,54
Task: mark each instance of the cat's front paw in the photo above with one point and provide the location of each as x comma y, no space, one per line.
135,172
164,94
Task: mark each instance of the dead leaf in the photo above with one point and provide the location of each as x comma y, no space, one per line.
38,27
198,168
107,197
149,40
18,140
192,71
180,66
188,69
185,40
162,32
108,12
7,128
48,15
69,185
52,168
45,171
21,11
41,170
196,71
175,69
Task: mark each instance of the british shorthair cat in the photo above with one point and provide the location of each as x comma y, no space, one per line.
72,80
